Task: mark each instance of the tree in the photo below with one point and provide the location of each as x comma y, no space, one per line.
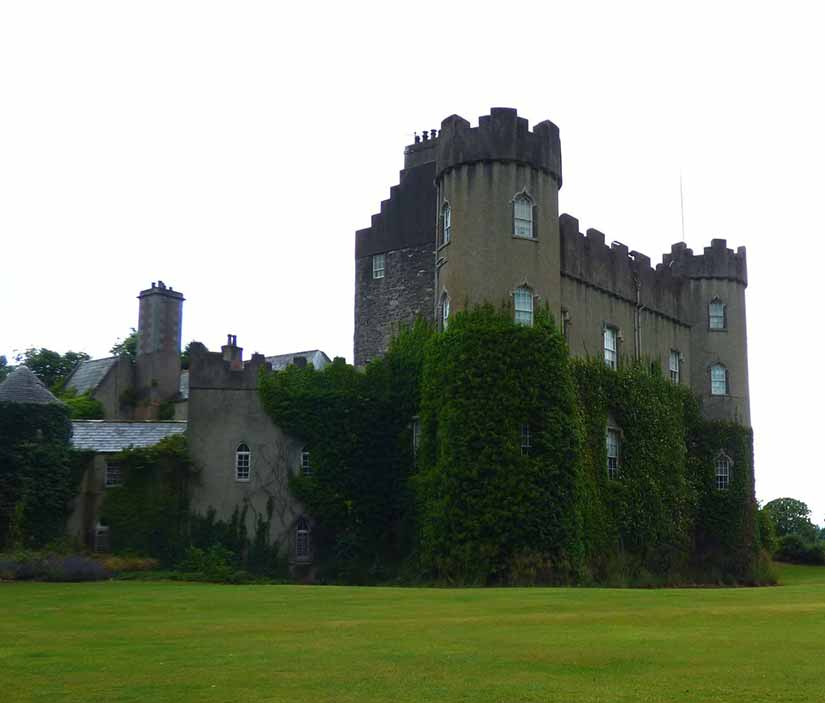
127,346
5,369
791,517
50,366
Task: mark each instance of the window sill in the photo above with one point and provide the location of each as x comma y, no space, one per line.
717,329
441,246
524,239
241,480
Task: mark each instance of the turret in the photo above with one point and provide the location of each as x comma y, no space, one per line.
719,342
497,232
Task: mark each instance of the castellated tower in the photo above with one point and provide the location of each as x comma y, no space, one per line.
475,219
158,352
497,191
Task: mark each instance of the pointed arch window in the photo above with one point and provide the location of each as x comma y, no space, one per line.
717,315
523,304
718,380
302,540
446,223
526,440
445,311
612,453
306,466
243,463
523,216
723,471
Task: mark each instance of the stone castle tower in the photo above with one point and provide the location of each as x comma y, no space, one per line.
475,218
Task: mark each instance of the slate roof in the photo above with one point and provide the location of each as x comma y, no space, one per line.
314,356
106,436
88,375
22,386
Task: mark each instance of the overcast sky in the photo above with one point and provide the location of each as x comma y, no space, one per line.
232,149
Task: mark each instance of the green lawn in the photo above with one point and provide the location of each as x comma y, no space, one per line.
148,642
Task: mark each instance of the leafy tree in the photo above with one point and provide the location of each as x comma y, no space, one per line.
5,369
184,357
50,366
82,407
126,347
792,517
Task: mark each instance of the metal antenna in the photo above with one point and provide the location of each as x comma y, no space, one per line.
682,203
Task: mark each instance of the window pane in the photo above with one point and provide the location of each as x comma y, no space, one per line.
610,347
523,300
523,217
378,266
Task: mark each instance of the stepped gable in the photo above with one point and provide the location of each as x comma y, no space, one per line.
406,219
23,386
500,136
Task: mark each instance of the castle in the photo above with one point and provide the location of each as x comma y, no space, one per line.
475,219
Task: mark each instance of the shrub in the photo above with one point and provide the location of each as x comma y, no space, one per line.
214,564
128,564
51,567
794,549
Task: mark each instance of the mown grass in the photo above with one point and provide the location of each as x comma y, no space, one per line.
161,641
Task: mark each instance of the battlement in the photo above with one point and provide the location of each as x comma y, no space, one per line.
716,261
160,288
500,136
224,369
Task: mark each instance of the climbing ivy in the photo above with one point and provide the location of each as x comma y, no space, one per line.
37,479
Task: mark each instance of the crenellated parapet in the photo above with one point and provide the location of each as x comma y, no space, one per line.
500,136
225,369
717,261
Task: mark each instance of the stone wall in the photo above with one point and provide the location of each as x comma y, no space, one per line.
384,305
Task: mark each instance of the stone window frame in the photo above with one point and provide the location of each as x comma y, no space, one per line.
379,266
305,465
243,463
715,382
717,321
112,474
609,330
722,471
445,223
520,197
524,293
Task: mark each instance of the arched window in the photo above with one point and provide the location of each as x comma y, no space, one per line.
446,223
717,315
523,225
718,380
445,311
723,471
243,462
523,304
526,442
302,543
306,467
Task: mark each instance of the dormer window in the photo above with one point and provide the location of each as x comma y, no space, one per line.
523,210
717,317
523,304
446,223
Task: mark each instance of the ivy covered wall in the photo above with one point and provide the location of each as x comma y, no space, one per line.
510,481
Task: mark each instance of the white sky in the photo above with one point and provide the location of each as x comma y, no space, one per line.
232,149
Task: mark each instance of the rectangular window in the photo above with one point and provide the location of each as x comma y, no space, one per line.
612,454
523,300
716,315
525,440
611,347
242,466
447,223
675,366
306,467
114,477
718,380
378,266
565,324
523,217
416,436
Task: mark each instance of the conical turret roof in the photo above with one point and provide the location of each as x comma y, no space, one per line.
22,386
